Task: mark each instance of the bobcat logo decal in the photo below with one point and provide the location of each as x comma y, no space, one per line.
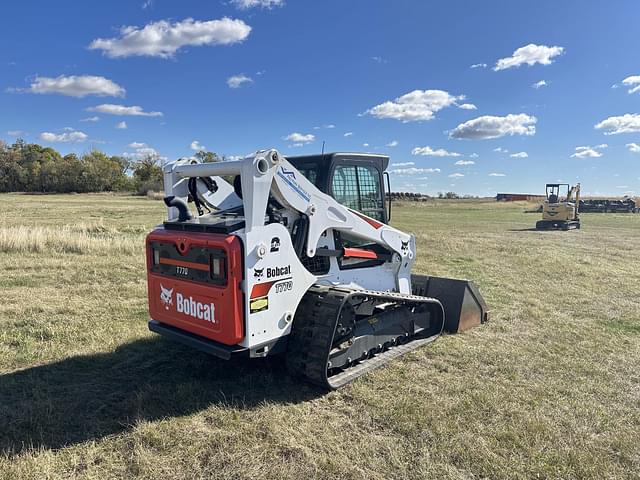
258,273
405,247
166,297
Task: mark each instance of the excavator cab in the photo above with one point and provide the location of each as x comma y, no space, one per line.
560,212
356,180
553,191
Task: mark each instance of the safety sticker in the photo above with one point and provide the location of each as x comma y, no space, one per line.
258,304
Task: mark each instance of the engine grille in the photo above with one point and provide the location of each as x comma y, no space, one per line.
317,265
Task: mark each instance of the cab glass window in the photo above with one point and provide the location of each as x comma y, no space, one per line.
358,187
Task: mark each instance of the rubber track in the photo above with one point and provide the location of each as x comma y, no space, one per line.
314,327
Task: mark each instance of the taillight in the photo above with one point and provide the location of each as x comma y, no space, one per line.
218,267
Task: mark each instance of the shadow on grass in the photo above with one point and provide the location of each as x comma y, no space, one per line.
532,229
88,397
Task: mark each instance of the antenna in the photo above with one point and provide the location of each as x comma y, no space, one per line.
322,148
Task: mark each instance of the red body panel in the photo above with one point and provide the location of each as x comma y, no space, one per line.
211,311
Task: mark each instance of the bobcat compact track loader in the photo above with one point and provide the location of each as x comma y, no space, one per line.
560,213
295,258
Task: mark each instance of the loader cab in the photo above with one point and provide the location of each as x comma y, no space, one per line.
356,180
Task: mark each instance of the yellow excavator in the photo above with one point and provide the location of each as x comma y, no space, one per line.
560,213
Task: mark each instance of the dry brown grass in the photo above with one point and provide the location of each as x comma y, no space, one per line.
550,388
79,238
151,195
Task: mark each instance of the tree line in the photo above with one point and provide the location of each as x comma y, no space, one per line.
29,167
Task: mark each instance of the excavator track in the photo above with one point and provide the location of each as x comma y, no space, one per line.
340,333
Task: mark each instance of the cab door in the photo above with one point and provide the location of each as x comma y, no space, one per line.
358,185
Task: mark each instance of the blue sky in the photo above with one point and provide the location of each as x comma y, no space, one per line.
382,76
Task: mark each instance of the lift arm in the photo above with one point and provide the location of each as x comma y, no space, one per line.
267,172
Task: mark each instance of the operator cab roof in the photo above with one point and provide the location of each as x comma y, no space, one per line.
325,160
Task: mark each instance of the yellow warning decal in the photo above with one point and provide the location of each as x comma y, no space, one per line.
258,304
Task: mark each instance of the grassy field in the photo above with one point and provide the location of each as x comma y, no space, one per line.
550,388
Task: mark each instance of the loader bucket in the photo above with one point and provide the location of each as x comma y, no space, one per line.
464,307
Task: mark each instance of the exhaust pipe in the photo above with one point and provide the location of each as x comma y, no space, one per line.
183,210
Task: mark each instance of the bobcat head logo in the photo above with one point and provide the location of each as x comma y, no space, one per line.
166,296
258,273
405,247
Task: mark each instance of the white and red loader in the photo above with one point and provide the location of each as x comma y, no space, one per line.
295,257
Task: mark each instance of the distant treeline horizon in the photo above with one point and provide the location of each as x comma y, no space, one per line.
32,168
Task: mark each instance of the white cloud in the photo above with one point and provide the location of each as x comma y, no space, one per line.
403,164
137,145
589,152
456,175
69,136
163,39
122,125
627,123
519,155
300,137
330,125
15,133
296,145
500,150
530,55
147,151
143,152
474,155
634,82
75,86
540,84
489,126
91,119
415,106
633,147
465,162
246,4
413,171
365,144
197,146
392,143
479,65
236,81
430,152
348,134
497,175
134,110
468,106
